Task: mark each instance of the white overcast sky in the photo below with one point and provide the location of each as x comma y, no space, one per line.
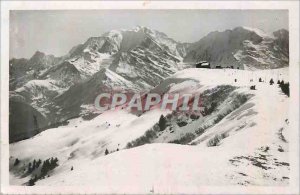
56,32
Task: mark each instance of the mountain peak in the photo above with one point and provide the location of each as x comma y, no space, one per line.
281,32
38,53
139,27
258,31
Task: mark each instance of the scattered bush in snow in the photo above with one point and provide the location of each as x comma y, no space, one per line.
220,117
182,123
17,161
285,88
210,109
32,181
271,82
252,87
106,151
145,139
281,82
151,133
216,139
201,130
194,116
187,138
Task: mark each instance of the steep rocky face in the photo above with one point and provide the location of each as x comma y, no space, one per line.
24,121
151,58
24,70
282,40
147,64
115,48
40,61
17,67
65,74
242,48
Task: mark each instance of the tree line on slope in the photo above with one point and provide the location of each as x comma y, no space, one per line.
285,87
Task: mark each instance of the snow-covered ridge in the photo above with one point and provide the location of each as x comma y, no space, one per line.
82,144
48,84
259,32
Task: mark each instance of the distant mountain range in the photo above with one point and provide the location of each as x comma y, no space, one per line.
139,59
243,48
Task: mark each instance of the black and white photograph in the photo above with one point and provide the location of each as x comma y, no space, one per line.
151,101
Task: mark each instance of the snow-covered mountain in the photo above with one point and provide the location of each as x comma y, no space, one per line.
142,55
240,132
242,47
135,59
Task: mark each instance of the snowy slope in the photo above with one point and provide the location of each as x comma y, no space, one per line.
251,142
223,92
36,89
83,140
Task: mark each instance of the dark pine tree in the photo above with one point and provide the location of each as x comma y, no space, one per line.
285,87
271,82
31,182
34,164
252,87
162,122
29,170
106,152
45,167
260,80
38,163
16,162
